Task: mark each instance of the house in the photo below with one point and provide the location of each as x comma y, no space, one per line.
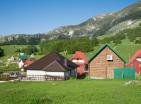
28,62
104,61
24,63
51,67
81,60
22,56
135,62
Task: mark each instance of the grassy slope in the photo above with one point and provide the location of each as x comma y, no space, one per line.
70,92
126,49
11,49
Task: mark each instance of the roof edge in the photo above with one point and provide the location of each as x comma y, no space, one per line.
100,49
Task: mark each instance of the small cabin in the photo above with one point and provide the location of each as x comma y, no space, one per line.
103,62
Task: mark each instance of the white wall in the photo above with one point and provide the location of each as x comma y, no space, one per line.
35,72
39,72
55,73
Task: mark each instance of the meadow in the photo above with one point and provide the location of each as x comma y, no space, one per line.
71,92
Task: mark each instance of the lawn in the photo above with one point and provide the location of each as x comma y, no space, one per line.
70,92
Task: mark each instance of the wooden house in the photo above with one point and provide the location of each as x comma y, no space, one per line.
135,62
51,67
81,60
104,61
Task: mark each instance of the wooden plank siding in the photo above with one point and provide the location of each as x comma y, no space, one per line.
99,67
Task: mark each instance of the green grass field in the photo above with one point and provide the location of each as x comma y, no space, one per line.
70,92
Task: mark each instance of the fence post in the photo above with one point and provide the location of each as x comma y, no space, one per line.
122,75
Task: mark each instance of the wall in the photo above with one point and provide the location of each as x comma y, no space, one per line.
35,72
39,72
55,73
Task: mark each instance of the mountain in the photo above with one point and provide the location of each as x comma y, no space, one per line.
128,17
21,39
111,24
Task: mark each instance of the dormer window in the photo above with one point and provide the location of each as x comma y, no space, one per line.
74,60
78,60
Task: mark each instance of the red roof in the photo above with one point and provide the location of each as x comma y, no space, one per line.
137,54
80,55
28,62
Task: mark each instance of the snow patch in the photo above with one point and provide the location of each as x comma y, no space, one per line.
129,22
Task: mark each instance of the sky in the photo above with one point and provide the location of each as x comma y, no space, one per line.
39,16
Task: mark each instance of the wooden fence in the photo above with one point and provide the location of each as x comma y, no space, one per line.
4,77
32,77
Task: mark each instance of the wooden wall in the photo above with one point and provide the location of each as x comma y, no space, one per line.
100,68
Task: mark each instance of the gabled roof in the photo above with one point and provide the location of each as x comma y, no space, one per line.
103,47
136,55
81,55
55,66
50,58
23,57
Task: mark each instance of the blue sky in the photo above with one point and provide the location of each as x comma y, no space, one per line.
38,16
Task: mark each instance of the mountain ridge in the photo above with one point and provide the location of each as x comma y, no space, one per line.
110,23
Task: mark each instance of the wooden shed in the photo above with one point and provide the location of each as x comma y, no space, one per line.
135,62
81,60
51,67
104,61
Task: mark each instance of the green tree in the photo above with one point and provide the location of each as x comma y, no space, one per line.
1,52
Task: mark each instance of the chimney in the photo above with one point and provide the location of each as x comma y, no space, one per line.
65,63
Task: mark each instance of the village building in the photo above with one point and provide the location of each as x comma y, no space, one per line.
51,67
135,62
23,61
81,60
103,62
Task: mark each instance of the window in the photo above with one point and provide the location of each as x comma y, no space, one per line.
109,57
